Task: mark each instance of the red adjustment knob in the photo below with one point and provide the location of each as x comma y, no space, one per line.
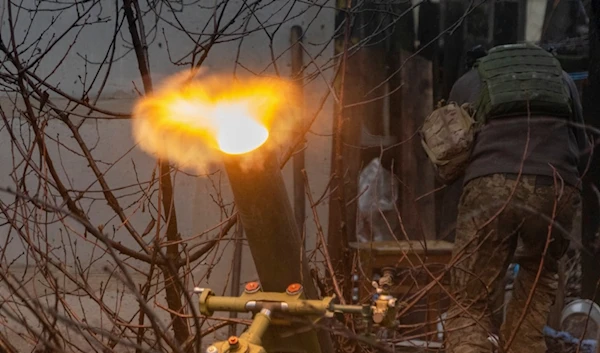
294,288
252,287
233,341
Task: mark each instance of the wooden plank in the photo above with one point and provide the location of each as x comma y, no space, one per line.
414,170
397,247
408,261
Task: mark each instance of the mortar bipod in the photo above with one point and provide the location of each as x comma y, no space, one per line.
267,305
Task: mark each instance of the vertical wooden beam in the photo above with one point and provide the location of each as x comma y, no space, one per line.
416,174
476,31
298,162
415,79
506,23
345,154
428,29
372,64
430,22
402,39
522,20
453,44
375,29
491,11
360,88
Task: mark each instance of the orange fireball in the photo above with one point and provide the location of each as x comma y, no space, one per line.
187,120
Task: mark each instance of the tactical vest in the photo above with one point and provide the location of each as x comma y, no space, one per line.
519,79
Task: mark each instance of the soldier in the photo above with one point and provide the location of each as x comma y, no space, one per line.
522,183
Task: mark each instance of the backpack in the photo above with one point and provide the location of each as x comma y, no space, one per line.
447,137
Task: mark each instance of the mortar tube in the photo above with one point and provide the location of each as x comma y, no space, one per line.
268,220
266,213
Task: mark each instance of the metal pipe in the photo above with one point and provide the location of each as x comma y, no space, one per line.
347,309
231,304
295,307
259,326
268,220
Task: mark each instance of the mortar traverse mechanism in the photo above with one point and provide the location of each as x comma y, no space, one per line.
282,320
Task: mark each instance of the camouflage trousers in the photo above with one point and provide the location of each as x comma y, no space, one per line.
494,213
